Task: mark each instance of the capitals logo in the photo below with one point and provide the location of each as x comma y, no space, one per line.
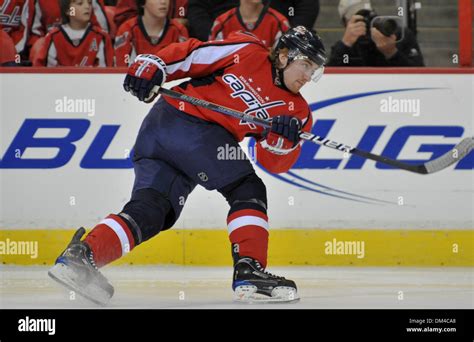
9,18
256,105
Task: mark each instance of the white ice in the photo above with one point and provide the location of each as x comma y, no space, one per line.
171,287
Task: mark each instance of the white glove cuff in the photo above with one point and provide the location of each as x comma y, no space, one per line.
155,60
277,149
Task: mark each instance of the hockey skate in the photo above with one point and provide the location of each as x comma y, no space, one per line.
252,284
75,269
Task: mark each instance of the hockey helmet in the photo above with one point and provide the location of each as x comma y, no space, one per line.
303,43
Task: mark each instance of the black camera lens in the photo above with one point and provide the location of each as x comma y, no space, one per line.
386,26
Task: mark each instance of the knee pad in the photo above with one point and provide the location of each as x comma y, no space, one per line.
249,192
146,213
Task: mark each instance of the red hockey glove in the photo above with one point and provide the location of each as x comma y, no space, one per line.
145,77
283,137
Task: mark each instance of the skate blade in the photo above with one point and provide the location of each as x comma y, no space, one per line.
248,294
62,274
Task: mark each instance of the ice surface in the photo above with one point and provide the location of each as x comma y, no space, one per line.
171,287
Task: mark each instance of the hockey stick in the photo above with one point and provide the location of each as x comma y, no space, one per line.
457,153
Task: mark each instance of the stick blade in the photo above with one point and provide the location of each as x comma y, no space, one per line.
456,154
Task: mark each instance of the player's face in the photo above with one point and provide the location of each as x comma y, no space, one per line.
80,11
298,73
157,8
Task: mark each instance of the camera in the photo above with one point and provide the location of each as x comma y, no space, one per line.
387,25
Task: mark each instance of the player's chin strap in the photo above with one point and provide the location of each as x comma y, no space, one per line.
459,151
279,78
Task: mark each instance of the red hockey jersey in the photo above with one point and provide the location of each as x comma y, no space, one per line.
132,39
66,47
238,74
7,49
269,26
46,14
15,19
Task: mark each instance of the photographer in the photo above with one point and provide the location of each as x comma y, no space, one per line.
363,45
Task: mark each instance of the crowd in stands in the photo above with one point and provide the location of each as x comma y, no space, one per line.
100,33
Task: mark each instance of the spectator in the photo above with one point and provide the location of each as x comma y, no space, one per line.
252,16
7,50
202,13
76,42
358,47
46,14
298,12
127,9
148,33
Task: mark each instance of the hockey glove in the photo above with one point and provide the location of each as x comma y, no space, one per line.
145,77
283,137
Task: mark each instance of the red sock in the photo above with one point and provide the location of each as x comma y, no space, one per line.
249,229
110,240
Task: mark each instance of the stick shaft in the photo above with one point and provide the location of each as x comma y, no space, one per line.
462,149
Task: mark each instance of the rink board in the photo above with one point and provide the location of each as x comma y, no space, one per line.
287,247
404,218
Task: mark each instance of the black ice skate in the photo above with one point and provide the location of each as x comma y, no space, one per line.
252,284
75,269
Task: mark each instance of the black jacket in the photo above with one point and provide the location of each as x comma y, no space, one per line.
298,12
202,13
360,54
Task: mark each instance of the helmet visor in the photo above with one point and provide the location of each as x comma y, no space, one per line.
308,67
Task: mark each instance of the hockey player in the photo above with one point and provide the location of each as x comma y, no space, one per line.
76,42
149,32
177,145
252,16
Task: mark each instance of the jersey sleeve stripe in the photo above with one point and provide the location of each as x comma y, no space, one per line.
207,54
51,54
20,46
36,26
100,15
101,54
